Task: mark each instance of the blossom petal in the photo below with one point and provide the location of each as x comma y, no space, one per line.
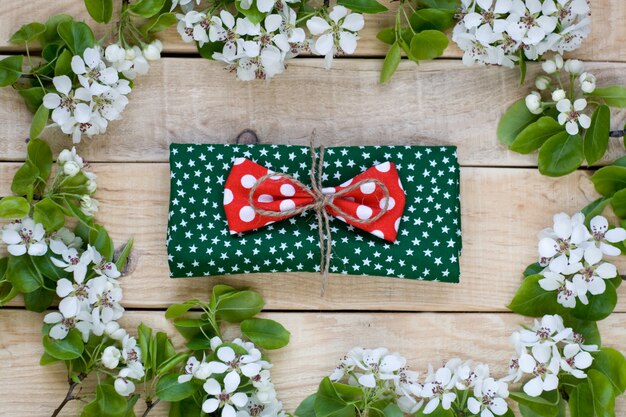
212,387
231,381
353,22
534,387
317,25
337,13
324,44
240,399
17,250
210,405
347,42
78,65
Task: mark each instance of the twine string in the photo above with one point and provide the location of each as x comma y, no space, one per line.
321,204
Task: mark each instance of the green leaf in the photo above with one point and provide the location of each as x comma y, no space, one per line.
239,306
265,333
147,8
48,213
618,202
40,154
328,403
47,360
209,48
23,275
603,396
122,258
71,347
99,238
39,121
428,44
252,13
392,60
432,19
177,310
452,5
10,70
77,35
63,65
219,291
535,135
191,328
100,10
51,35
612,364
561,155
33,98
28,33
306,407
108,403
533,269
514,121
546,405
600,306
597,136
392,410
38,300
614,96
533,301
168,388
387,35
171,363
581,401
25,179
161,22
609,180
363,6
49,270
14,208
185,408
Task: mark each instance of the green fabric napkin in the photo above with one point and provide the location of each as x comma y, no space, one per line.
429,239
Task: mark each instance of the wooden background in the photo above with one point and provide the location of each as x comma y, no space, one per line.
505,201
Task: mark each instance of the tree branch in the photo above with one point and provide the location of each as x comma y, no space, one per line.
149,406
70,394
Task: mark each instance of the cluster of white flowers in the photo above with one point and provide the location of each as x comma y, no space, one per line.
25,236
259,51
127,354
545,350
572,257
494,31
101,95
569,107
237,365
387,373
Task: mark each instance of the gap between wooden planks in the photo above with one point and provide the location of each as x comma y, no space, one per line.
193,100
317,342
503,210
607,40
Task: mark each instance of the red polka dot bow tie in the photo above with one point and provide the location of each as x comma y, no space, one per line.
372,201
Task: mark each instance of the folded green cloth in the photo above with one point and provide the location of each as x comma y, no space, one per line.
428,246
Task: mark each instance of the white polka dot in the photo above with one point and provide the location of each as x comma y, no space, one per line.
247,214
363,212
287,190
378,233
397,224
368,188
276,177
345,184
400,184
384,167
287,205
248,181
328,190
238,161
391,205
265,198
228,196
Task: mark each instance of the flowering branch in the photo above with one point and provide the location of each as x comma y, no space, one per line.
149,406
70,394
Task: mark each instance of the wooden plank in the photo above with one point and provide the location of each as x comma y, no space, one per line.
503,210
602,44
196,101
317,342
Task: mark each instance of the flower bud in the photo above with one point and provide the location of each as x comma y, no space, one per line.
574,66
124,387
533,103
558,61
542,82
114,53
111,357
587,82
158,44
64,156
71,168
88,205
558,95
549,66
151,52
131,54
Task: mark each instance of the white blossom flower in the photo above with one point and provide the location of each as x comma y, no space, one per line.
559,246
195,369
337,34
93,74
102,266
89,206
25,236
183,3
437,388
591,277
602,237
544,364
74,297
63,325
105,297
533,103
63,239
111,357
571,115
224,398
72,262
534,23
489,398
587,82
64,102
567,291
575,359
123,385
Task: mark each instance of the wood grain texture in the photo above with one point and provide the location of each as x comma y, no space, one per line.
502,212
604,42
196,101
317,342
